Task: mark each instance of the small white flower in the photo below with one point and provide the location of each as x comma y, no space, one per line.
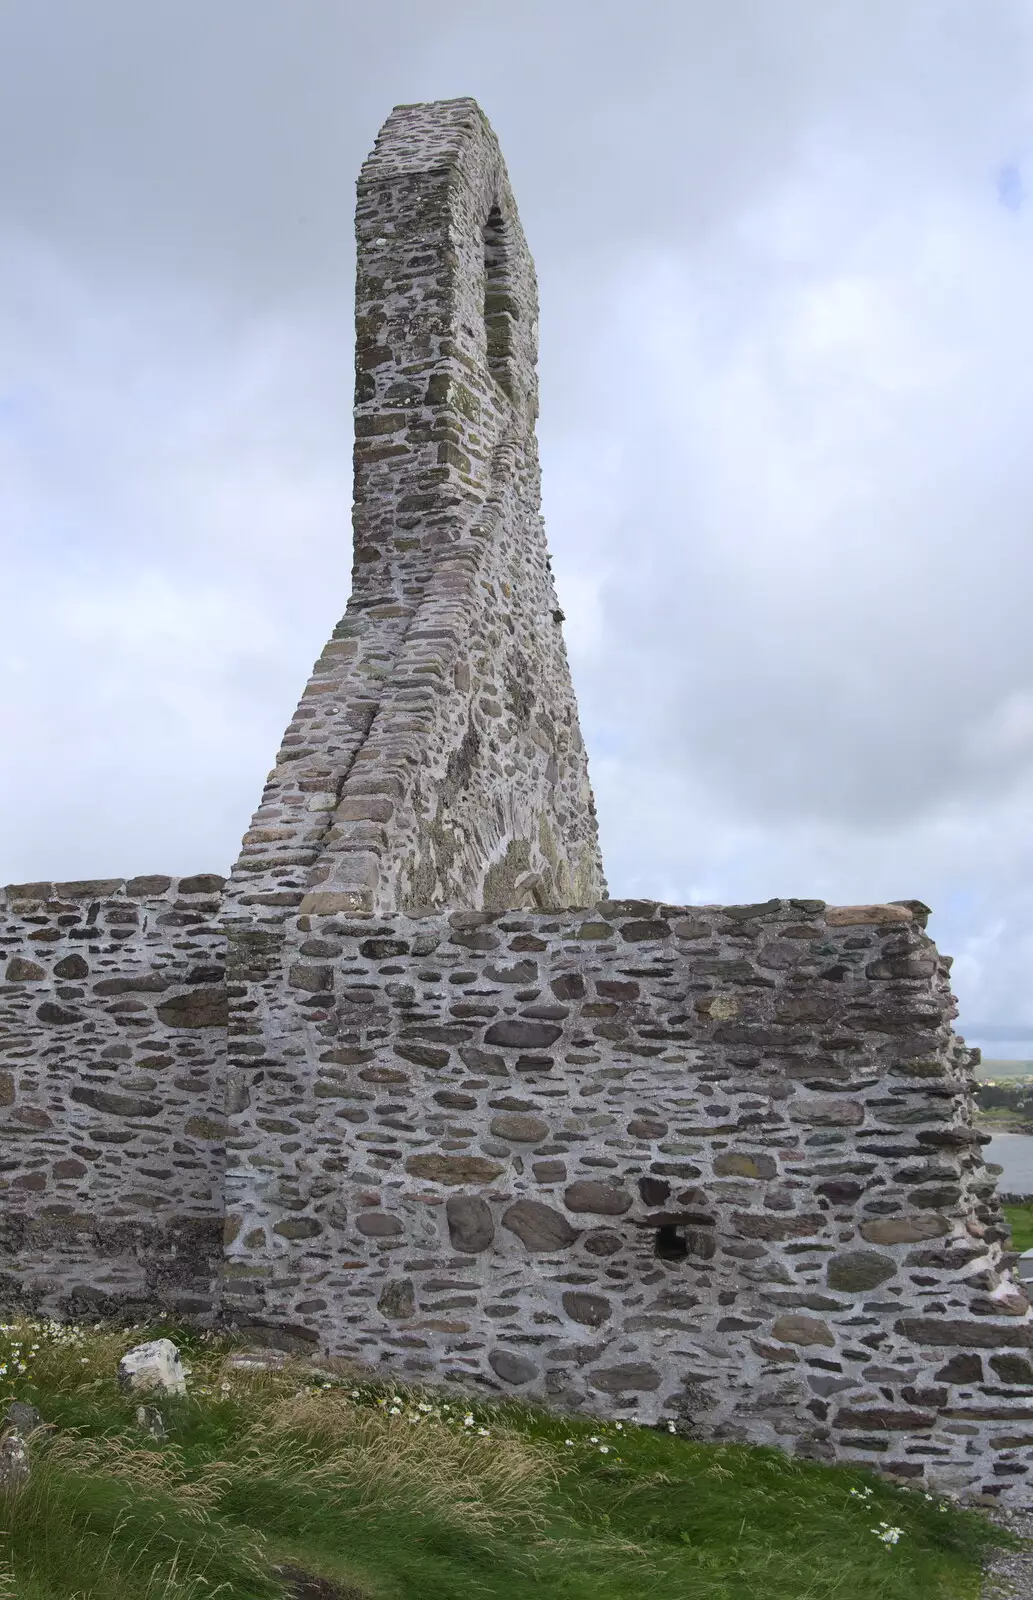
355,1394
484,1434
671,1427
619,1426
468,1420
604,1449
594,1439
568,1441
393,1411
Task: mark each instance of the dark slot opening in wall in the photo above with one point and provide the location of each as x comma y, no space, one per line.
671,1244
499,305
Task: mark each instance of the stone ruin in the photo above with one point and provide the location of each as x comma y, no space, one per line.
409,1088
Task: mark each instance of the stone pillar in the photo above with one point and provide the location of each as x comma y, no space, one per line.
435,758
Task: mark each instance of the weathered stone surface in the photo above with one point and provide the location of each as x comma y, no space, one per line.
512,1368
207,883
470,1225
453,1169
856,1271
632,1377
201,1008
516,1033
802,1330
397,1299
73,966
19,1414
905,1230
150,1419
18,970
15,1469
962,1369
59,1016
298,1228
881,1419
601,1242
1012,1369
148,886
378,1225
939,1331
591,1309
157,1364
857,916
519,1128
828,1111
740,1164
602,1198
114,1104
539,1227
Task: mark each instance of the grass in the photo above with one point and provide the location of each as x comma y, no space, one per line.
400,1494
1020,1221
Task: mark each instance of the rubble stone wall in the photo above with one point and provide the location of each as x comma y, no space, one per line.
435,757
711,1163
714,1163
112,1080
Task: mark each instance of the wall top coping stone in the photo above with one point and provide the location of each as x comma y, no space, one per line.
161,886
151,886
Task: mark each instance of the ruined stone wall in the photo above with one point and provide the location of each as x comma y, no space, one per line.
435,757
708,1162
714,1163
112,1078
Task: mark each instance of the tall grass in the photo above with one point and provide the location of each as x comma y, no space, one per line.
401,1494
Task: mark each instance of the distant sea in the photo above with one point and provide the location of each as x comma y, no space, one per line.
1013,1152
1003,1059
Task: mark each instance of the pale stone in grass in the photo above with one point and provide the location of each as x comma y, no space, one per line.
154,1365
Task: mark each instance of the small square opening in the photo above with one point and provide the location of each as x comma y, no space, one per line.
671,1244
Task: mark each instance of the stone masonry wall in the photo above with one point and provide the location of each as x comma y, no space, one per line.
435,757
708,1162
712,1162
112,1078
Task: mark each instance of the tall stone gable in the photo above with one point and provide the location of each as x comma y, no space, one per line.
435,758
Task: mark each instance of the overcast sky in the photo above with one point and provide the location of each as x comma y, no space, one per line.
784,250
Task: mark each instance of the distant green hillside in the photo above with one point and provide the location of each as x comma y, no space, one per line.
989,1068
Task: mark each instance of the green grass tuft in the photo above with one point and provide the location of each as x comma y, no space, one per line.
1020,1221
394,1493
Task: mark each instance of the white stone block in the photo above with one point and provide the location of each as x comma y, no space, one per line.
155,1365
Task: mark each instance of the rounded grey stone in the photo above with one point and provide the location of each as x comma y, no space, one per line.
377,1224
512,1368
470,1224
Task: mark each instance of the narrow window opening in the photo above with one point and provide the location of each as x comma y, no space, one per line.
499,304
671,1244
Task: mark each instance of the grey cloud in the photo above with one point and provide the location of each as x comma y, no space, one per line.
785,424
